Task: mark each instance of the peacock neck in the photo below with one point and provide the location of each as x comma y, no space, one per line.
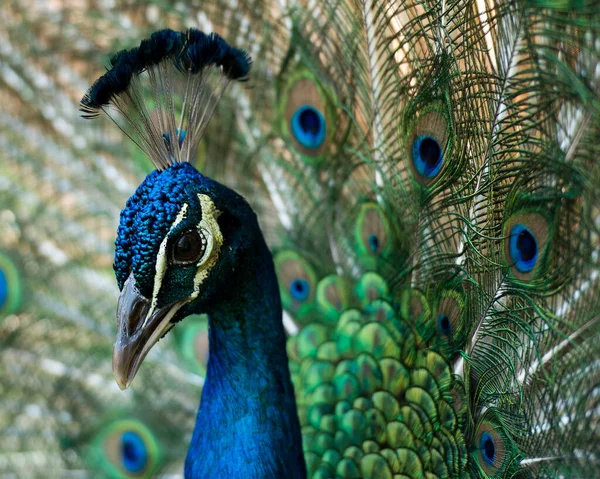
247,424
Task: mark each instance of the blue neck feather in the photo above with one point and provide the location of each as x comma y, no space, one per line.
247,425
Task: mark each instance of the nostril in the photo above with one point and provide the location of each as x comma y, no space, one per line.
132,308
139,310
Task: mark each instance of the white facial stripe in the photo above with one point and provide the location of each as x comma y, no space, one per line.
161,262
209,224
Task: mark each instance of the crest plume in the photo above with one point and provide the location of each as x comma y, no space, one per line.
166,90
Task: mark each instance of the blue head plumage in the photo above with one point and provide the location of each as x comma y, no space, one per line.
165,208
180,236
148,215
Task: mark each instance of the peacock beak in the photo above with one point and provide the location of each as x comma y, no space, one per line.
139,327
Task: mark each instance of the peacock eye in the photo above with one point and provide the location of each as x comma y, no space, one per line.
523,248
189,247
300,289
444,324
134,454
488,448
308,127
427,156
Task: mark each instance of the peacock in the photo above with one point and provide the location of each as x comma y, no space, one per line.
362,239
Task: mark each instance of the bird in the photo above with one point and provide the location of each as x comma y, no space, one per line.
365,243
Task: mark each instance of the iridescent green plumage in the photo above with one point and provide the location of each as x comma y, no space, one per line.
441,300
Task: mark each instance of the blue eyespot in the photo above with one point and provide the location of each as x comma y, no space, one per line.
133,452
523,248
374,243
488,448
427,156
308,127
300,289
3,289
444,324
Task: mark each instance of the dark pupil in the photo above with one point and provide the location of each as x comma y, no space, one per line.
309,121
374,242
444,323
298,286
526,245
489,449
129,452
430,152
188,247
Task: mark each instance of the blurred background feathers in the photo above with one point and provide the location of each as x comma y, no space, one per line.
448,216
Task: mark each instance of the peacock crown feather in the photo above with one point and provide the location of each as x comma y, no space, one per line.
167,88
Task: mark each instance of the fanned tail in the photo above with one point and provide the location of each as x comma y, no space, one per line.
433,168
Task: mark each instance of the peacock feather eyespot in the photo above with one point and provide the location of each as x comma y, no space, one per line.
449,322
372,233
444,325
297,281
428,141
427,156
300,289
308,127
494,450
526,241
125,448
307,115
487,447
523,248
134,454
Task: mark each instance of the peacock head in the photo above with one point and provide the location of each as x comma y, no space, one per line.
180,237
180,233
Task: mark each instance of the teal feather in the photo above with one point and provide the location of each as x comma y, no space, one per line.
436,235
